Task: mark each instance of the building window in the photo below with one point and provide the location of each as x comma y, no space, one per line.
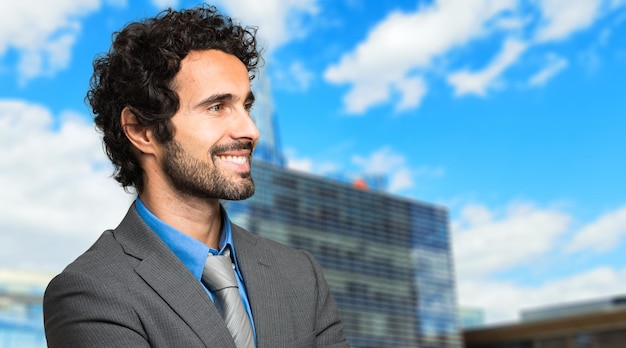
583,340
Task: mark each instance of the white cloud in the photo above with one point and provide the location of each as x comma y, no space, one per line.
296,77
57,192
53,56
502,301
400,51
308,165
278,20
300,164
467,82
385,162
301,75
42,32
485,242
554,66
364,94
392,165
404,42
561,18
602,234
512,23
401,179
380,162
412,90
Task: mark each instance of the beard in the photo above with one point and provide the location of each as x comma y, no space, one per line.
202,179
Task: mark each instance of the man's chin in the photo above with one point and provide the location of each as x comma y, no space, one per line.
240,195
240,190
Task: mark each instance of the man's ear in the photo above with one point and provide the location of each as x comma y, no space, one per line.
140,136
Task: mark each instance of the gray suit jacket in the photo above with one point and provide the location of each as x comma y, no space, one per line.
130,290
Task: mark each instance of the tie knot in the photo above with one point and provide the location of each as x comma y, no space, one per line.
218,272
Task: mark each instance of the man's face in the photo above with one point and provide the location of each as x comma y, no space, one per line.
214,136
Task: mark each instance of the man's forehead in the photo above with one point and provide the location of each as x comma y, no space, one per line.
213,69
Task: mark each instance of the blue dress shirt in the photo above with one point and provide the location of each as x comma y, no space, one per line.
193,253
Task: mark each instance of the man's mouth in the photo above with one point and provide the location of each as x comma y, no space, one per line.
238,146
236,154
234,159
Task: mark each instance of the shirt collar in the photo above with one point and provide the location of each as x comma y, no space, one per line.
190,251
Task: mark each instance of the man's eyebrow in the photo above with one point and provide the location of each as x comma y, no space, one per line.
224,97
216,98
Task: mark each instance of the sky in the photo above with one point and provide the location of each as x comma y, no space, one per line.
508,113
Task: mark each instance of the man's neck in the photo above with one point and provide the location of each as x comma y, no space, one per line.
198,218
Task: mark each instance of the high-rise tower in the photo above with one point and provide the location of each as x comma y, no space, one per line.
268,148
387,259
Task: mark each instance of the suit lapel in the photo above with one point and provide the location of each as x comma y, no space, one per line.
263,285
172,281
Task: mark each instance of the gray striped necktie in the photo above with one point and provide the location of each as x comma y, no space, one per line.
219,276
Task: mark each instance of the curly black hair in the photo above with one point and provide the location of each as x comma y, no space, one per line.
138,70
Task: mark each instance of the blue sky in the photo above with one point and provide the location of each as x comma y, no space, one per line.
509,113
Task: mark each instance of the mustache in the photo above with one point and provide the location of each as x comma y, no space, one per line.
235,146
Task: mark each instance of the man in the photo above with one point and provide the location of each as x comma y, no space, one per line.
172,99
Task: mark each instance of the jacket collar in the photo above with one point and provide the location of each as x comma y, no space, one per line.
168,277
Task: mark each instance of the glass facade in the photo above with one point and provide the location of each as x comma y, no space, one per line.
268,149
21,313
21,326
386,259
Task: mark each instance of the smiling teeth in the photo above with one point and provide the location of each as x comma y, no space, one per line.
235,159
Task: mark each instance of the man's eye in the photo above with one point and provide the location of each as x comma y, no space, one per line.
216,107
248,107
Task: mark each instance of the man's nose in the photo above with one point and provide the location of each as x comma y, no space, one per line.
245,128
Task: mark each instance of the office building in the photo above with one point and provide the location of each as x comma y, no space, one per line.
591,324
574,308
387,259
269,148
21,313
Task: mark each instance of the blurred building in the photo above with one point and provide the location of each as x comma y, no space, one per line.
592,324
269,148
387,259
572,309
21,313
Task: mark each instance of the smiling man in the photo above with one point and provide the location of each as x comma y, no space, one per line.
172,99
